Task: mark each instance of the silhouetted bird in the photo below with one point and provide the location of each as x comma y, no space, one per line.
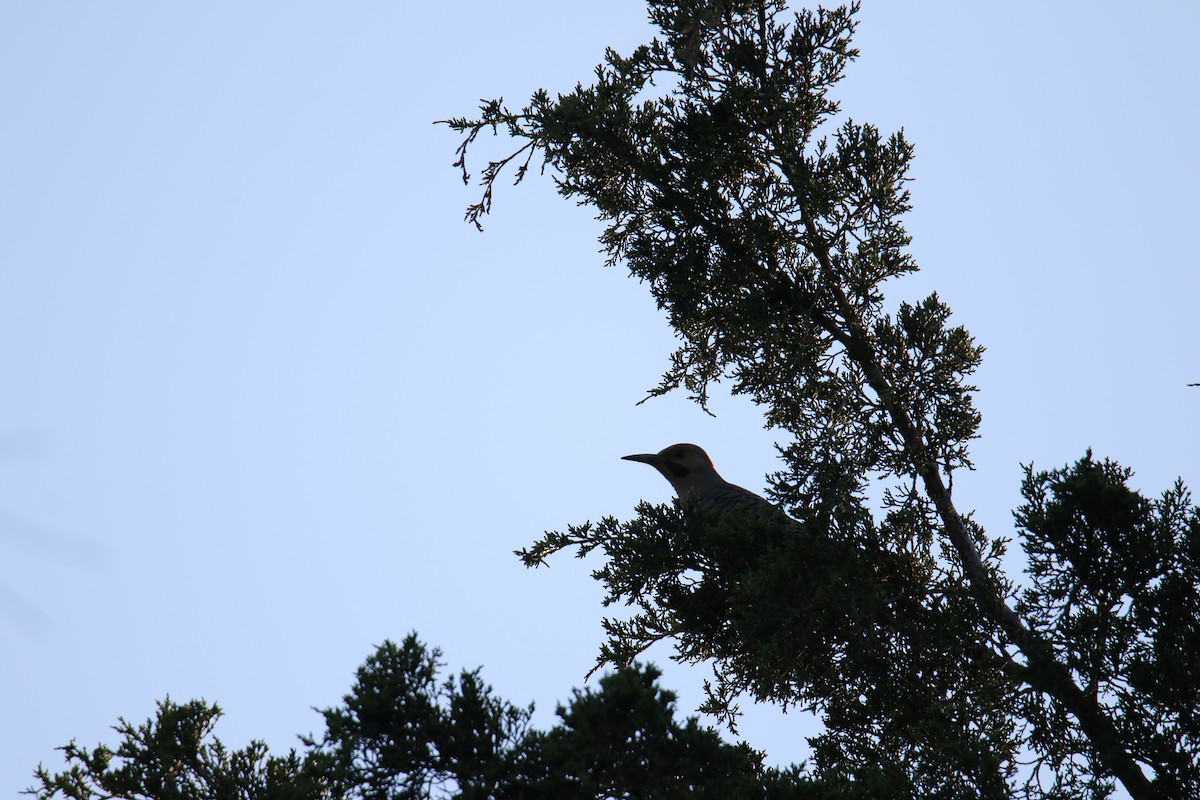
691,471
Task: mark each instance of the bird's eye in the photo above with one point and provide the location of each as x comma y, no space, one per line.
678,471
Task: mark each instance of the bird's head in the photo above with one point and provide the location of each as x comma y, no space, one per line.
686,466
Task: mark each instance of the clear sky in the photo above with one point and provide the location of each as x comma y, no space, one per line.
267,401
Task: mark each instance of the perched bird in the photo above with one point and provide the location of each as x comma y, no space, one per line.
691,471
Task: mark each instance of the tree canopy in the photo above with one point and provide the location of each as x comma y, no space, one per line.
406,731
767,226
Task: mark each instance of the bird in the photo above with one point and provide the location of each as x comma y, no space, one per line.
690,471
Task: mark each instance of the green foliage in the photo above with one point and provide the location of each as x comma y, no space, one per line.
623,741
764,239
402,734
788,615
767,225
405,732
1115,585
175,757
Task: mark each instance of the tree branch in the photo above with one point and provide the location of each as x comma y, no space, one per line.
1044,672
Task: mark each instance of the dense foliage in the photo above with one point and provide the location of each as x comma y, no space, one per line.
766,225
406,733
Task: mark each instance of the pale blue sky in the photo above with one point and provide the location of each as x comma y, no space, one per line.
267,401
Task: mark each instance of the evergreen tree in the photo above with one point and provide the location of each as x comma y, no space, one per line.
766,226
405,733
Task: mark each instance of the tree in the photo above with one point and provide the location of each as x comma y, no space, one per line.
405,732
766,226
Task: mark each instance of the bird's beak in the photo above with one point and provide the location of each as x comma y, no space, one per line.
645,458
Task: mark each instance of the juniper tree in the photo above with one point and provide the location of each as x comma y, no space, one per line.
766,224
406,732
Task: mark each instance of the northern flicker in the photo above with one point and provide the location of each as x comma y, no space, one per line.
690,470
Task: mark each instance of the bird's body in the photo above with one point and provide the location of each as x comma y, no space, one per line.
690,471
